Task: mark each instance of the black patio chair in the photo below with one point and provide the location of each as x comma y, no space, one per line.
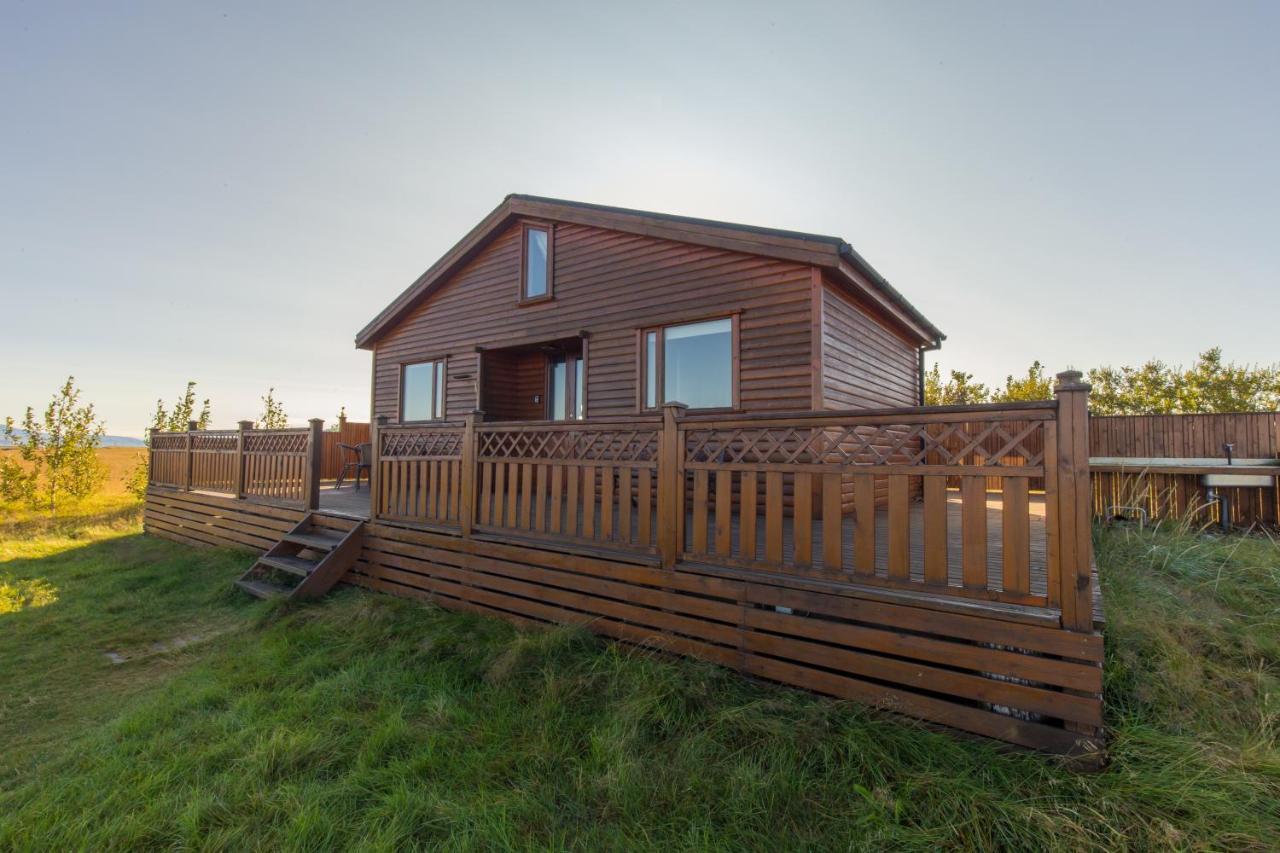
360,458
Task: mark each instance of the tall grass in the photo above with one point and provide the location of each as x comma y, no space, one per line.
372,722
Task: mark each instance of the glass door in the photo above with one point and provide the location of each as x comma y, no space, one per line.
564,400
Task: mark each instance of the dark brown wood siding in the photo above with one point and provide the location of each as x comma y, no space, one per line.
865,364
610,284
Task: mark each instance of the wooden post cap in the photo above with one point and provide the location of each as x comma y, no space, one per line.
675,404
192,426
245,426
381,420
1069,380
316,422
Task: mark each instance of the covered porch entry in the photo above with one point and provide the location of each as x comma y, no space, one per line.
544,381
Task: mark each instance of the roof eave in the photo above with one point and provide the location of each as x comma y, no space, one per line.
855,270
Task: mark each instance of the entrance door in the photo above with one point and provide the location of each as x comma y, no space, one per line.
565,400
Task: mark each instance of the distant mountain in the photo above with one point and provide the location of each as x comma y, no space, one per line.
121,441
107,440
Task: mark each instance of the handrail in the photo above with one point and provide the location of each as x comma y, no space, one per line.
895,497
987,502
274,466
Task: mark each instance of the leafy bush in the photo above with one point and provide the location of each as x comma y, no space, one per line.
57,453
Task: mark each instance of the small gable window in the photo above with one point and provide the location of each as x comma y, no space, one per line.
422,391
536,263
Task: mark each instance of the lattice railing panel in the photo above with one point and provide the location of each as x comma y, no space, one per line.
987,443
224,441
584,445
168,441
276,441
425,444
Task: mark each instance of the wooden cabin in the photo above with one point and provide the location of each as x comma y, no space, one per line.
702,437
559,310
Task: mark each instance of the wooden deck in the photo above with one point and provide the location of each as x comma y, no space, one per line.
348,502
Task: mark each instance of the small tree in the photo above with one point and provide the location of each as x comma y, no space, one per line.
176,419
1034,385
58,452
273,416
1209,385
958,390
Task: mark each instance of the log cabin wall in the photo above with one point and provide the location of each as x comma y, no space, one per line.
865,364
610,284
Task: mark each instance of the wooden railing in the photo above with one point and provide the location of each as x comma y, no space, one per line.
419,474
588,482
933,500
274,466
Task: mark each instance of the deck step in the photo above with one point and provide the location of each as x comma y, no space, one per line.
316,539
292,565
262,589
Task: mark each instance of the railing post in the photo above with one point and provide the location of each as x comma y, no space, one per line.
670,484
375,464
1075,542
315,455
151,455
468,497
238,485
191,427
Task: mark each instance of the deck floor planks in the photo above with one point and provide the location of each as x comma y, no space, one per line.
349,502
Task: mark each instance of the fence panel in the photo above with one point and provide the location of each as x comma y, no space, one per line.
583,482
939,501
1253,434
419,474
334,457
275,464
168,459
213,460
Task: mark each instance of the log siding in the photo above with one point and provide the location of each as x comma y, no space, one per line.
610,284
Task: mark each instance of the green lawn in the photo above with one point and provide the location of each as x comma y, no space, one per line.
371,722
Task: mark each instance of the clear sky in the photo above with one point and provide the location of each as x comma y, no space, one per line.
228,192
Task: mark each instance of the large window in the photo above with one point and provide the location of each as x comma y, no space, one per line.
422,391
535,263
690,363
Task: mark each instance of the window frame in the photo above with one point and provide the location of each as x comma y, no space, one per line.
575,386
439,386
642,363
525,228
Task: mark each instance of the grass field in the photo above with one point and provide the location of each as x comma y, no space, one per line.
372,722
112,500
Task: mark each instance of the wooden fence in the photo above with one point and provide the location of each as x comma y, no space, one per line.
333,457
279,465
766,492
1254,435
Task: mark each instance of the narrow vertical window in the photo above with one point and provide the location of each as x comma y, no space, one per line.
559,389
439,391
651,370
536,264
580,388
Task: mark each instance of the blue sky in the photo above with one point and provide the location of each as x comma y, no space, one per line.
228,192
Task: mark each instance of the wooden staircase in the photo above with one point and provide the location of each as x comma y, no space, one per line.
308,561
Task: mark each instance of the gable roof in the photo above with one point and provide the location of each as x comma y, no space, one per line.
830,253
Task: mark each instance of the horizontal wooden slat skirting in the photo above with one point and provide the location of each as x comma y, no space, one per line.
950,668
